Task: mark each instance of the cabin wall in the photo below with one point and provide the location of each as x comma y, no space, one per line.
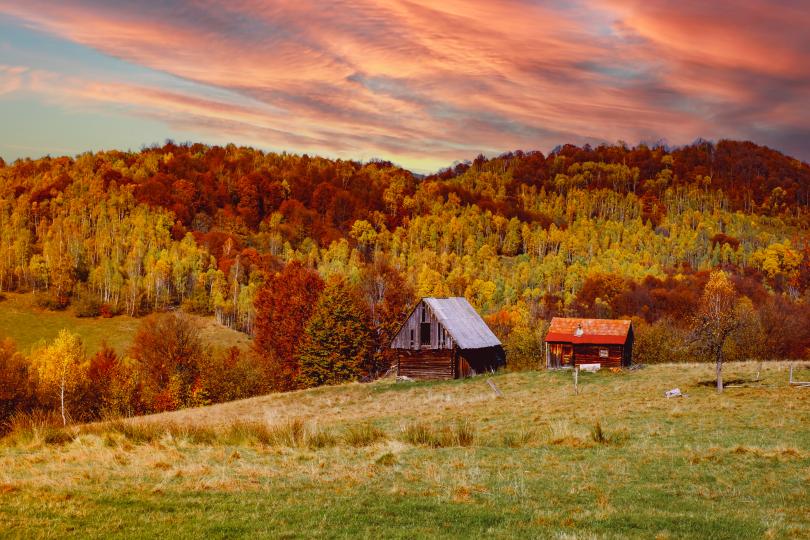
439,337
426,364
590,354
627,360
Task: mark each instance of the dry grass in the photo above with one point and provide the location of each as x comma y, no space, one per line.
437,459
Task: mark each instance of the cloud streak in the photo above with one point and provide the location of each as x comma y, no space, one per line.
429,83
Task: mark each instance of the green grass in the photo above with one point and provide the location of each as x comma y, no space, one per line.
444,459
28,325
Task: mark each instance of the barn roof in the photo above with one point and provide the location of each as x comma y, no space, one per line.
463,323
594,331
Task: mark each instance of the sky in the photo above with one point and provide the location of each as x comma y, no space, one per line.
418,82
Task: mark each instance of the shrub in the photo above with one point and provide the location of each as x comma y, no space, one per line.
87,306
51,301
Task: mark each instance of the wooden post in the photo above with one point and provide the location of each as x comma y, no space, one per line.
576,380
494,388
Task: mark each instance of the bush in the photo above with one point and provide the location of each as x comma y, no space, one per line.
87,305
107,311
51,302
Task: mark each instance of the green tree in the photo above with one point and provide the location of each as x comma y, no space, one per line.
338,340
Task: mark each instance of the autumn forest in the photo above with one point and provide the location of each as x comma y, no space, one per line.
319,260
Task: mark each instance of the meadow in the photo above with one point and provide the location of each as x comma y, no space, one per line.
435,459
29,325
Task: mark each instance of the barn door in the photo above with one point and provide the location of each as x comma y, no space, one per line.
555,355
567,355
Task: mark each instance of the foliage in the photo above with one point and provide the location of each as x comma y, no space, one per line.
337,345
16,389
660,342
249,237
284,305
169,355
723,320
60,368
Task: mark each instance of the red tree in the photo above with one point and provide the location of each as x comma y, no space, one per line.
284,305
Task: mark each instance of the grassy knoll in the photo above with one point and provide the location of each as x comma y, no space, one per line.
28,325
444,459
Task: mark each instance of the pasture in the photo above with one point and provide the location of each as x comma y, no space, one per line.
29,325
439,459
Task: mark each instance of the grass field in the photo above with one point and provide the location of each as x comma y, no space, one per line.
443,459
28,325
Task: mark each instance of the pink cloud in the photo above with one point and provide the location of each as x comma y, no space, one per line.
416,80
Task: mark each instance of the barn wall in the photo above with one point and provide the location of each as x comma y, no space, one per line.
426,364
403,338
589,354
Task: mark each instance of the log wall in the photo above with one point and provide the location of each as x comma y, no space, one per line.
426,364
589,354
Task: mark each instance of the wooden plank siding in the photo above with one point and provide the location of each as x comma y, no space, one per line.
589,354
427,364
439,338
457,342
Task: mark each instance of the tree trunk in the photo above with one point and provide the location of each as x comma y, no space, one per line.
62,399
719,370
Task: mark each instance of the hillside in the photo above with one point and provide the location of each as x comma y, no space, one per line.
200,226
29,325
446,459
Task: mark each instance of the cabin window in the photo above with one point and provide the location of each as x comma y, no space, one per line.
411,338
603,353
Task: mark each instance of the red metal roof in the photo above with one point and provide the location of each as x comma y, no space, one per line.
594,331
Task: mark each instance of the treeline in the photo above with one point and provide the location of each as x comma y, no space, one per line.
309,332
522,236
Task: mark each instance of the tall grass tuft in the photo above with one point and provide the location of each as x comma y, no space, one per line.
37,427
517,439
363,435
598,435
422,434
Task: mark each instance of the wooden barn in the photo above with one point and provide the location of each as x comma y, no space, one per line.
445,338
572,342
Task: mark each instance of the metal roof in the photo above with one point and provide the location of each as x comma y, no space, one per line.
463,323
594,331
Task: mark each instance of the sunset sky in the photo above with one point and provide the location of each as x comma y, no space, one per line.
422,83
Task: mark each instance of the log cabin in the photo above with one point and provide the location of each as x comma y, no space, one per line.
445,338
573,342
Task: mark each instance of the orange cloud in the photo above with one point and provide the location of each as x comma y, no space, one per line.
427,82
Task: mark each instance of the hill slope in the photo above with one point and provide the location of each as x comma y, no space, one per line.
532,463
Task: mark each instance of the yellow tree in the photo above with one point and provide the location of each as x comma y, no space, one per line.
721,318
60,367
